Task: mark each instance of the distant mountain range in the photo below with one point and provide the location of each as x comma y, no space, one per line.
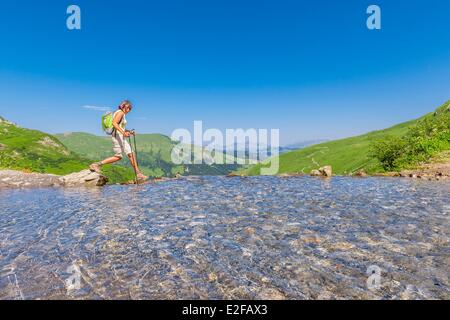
303,144
264,151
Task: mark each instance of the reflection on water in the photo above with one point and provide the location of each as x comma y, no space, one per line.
219,238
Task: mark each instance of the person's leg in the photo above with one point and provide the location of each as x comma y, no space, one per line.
117,147
133,162
135,166
132,157
111,160
97,167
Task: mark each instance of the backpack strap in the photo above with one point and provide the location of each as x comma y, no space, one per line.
121,120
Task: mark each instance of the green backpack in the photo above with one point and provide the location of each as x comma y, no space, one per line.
107,123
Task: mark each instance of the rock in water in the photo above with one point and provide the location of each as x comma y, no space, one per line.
271,294
316,173
84,178
326,171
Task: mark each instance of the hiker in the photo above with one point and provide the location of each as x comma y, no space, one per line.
120,143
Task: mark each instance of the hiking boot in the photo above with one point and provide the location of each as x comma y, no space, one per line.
95,167
142,177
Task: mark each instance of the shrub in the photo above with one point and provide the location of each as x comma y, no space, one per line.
423,140
388,151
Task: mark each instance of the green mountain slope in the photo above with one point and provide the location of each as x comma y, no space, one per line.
348,155
35,151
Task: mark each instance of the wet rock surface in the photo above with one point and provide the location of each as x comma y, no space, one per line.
219,238
18,179
84,178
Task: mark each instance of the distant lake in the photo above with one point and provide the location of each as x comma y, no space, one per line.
228,238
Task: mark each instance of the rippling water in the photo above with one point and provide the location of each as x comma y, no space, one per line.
228,238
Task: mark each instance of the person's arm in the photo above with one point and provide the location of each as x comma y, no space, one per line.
117,119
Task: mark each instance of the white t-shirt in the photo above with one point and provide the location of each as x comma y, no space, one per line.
122,123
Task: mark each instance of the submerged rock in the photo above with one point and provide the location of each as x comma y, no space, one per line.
271,294
19,179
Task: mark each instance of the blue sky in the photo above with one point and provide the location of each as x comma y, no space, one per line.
310,68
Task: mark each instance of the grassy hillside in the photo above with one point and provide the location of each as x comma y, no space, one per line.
348,155
35,151
427,138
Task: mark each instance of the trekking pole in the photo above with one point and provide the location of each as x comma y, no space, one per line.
134,168
135,148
